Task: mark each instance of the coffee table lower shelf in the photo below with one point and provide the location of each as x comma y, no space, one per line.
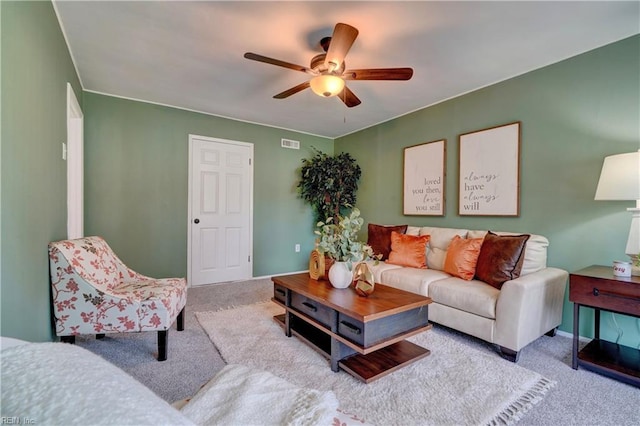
367,368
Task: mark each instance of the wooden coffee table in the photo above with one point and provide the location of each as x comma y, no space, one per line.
365,336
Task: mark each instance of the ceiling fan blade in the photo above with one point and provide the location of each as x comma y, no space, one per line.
379,74
267,60
349,98
341,41
299,88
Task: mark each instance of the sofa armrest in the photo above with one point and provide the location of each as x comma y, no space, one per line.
529,306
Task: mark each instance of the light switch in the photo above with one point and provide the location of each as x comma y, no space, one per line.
64,151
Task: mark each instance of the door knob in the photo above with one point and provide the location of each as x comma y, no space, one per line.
196,221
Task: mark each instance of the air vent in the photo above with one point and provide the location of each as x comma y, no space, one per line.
288,143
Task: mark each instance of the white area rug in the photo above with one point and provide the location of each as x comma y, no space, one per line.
455,385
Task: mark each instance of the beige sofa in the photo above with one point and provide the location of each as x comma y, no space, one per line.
524,308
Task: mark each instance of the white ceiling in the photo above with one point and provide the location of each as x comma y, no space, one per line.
190,54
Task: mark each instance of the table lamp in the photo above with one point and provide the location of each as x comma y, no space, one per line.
620,180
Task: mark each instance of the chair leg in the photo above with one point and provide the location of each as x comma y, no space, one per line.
162,345
163,337
180,320
68,339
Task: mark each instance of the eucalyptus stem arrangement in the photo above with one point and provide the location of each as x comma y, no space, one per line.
339,239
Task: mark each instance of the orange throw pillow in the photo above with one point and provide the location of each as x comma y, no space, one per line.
408,250
462,257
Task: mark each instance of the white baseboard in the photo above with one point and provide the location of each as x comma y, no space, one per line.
570,335
274,275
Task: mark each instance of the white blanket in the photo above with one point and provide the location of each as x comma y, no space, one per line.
62,384
240,395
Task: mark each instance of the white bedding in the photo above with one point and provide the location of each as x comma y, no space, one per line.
8,342
240,395
63,384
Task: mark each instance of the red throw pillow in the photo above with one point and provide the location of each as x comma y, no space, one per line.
379,238
501,258
462,257
408,250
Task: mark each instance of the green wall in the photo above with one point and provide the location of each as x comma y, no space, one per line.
573,114
36,67
136,187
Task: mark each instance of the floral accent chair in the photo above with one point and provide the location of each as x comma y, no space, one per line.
95,293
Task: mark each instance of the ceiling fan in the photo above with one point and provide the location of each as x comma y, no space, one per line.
328,69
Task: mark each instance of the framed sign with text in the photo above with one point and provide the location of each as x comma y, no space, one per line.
489,166
424,178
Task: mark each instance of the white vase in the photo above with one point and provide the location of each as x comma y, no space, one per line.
340,275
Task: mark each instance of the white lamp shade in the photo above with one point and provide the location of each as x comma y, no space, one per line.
620,178
327,85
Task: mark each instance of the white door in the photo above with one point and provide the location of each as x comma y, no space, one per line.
220,210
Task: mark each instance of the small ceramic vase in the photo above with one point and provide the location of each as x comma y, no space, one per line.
340,275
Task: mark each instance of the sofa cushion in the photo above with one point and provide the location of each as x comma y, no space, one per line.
439,244
473,296
535,252
501,258
379,238
378,268
462,257
412,230
413,280
408,250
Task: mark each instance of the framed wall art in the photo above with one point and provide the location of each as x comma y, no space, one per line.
424,178
489,165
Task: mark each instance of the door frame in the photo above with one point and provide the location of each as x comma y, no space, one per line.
75,166
190,217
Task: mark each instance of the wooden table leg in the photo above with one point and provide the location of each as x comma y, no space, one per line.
576,332
335,344
287,314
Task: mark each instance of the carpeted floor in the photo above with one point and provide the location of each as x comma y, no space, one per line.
455,384
579,398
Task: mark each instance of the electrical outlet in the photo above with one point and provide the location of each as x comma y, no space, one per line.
297,248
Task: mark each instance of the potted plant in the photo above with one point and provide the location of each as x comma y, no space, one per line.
338,240
329,184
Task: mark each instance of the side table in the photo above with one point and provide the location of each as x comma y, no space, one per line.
596,287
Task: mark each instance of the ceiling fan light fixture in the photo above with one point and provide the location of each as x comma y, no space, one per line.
327,85
329,70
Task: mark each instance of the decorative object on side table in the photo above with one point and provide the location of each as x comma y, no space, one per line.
621,269
339,241
620,180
